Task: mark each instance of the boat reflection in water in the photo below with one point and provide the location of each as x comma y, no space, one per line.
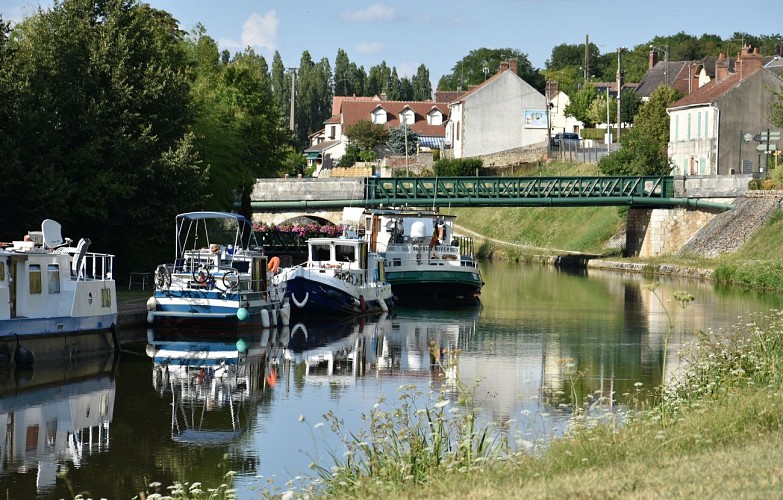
53,416
211,382
406,341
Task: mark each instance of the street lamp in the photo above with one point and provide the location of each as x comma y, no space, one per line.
665,62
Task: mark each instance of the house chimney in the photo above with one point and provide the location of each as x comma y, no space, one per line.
653,59
721,67
748,62
552,88
693,82
512,64
503,66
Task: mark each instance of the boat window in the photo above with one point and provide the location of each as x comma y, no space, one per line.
53,276
320,252
106,297
344,253
34,275
2,271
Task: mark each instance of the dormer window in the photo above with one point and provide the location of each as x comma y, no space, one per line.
407,116
379,116
435,117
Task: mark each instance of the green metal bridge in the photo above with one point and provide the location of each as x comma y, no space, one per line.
652,192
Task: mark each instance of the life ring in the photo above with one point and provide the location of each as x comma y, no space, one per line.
231,279
273,265
201,274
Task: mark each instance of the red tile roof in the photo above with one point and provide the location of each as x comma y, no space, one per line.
354,111
708,92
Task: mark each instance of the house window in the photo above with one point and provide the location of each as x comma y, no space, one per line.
34,275
332,129
407,117
457,130
379,116
435,118
676,127
53,278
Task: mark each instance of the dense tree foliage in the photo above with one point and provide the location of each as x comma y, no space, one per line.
480,64
580,105
401,137
644,147
96,102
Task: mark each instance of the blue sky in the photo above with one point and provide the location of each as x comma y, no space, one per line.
438,33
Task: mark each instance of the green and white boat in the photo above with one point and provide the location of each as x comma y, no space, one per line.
424,260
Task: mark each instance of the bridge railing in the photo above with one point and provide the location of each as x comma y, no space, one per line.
475,190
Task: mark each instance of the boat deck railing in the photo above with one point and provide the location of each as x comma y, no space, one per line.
94,267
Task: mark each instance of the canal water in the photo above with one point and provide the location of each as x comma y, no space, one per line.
184,408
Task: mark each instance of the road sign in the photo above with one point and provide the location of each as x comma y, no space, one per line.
769,136
764,147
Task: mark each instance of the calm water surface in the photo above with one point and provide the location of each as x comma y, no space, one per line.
165,411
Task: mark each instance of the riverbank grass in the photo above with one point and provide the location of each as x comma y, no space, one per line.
716,430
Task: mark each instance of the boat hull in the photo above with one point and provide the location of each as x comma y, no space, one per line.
212,311
310,297
438,286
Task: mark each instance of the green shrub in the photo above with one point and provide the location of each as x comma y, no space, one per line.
456,167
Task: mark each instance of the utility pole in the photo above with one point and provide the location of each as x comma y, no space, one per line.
587,58
619,89
291,122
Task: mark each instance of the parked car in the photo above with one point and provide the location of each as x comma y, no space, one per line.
568,138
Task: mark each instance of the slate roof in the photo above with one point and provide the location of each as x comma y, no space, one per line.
660,73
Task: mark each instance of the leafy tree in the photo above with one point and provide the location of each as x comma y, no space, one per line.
366,135
394,90
378,79
598,108
422,87
313,96
350,157
399,137
470,70
630,103
457,167
98,103
281,85
406,89
579,107
644,147
652,120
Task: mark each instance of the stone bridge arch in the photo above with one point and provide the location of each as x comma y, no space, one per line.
333,217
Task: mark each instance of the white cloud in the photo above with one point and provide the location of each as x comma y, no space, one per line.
261,31
407,69
375,12
369,47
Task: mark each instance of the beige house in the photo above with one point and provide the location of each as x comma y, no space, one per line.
715,129
501,114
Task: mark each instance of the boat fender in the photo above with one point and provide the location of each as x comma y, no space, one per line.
274,264
150,317
152,304
304,301
384,306
285,313
264,318
24,357
242,314
273,316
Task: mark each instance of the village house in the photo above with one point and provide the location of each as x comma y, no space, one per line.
425,118
557,103
712,129
502,114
